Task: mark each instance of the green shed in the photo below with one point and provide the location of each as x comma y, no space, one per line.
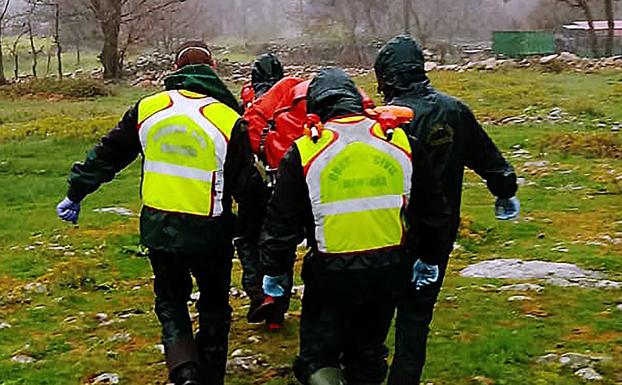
523,43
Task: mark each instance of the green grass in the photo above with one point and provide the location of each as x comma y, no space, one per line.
96,267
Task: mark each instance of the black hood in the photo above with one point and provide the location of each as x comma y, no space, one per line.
400,66
333,94
267,71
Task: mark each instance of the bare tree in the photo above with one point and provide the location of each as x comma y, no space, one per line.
14,50
609,13
586,7
5,9
31,18
111,15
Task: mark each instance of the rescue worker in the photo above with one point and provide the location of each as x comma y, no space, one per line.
266,71
196,156
454,139
361,197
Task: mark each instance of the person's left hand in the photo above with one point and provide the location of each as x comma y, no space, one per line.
273,286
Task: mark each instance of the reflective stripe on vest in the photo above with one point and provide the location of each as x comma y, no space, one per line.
184,138
359,184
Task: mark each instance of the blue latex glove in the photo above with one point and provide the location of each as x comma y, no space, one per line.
273,286
68,210
506,209
424,274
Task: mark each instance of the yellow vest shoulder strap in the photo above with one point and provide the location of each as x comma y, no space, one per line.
221,116
309,150
153,104
399,139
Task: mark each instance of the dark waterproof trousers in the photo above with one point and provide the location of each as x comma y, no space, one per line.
252,280
345,320
173,286
412,325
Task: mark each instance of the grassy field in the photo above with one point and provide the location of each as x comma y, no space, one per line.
478,336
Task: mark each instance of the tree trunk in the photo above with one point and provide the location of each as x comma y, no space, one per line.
109,15
2,77
407,9
16,65
16,59
2,16
110,52
78,53
33,49
611,25
590,21
59,48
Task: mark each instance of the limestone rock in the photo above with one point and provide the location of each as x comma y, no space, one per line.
588,374
522,287
519,269
116,210
519,298
23,359
553,273
106,378
575,360
546,359
548,59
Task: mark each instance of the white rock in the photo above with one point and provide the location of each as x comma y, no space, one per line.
159,348
548,59
36,287
519,298
254,339
23,359
568,57
522,287
619,307
575,360
106,378
298,291
430,66
558,274
540,164
4,325
519,269
588,374
490,64
548,359
120,337
116,210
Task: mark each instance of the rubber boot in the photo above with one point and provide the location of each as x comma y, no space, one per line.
187,374
257,314
327,376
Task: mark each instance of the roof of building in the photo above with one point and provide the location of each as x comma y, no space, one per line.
599,25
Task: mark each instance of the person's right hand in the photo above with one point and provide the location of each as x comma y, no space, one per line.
506,209
68,210
424,274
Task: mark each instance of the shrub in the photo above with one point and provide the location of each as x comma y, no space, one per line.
599,145
49,88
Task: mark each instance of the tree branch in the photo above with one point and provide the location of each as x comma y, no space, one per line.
5,10
129,16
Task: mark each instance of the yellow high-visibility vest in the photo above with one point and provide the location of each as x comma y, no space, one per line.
184,137
359,185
